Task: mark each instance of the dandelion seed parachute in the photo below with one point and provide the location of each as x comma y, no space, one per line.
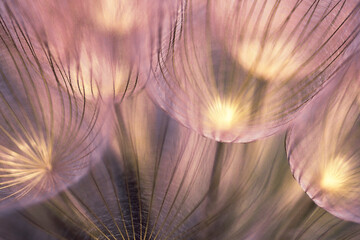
47,135
162,181
158,186
323,148
170,173
241,71
103,47
150,185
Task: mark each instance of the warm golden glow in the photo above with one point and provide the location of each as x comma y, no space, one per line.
336,175
27,168
272,62
224,115
115,15
97,77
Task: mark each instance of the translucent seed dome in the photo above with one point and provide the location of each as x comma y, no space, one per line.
103,48
324,151
48,136
240,71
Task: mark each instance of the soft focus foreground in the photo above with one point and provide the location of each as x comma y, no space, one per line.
147,119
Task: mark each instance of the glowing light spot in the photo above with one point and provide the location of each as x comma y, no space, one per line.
117,16
272,62
27,168
224,115
95,76
332,180
336,176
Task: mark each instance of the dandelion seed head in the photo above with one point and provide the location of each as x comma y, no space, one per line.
96,76
47,134
28,168
97,44
272,62
324,149
237,76
274,56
